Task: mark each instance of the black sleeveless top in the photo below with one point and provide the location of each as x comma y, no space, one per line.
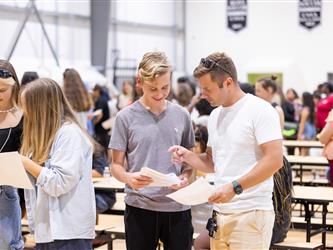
14,140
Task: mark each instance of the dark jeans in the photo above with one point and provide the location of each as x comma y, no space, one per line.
144,228
82,244
104,201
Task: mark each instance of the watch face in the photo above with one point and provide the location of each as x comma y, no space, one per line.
237,188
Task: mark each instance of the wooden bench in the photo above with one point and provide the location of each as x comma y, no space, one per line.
109,222
119,207
297,246
310,181
299,222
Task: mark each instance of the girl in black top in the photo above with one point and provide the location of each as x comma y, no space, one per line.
10,134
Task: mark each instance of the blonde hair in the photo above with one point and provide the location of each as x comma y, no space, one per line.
45,110
153,65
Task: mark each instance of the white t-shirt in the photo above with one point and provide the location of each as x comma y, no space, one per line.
235,134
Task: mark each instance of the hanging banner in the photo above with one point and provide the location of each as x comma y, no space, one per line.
309,13
236,14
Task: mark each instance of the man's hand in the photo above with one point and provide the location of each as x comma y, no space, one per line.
136,180
179,154
184,182
222,195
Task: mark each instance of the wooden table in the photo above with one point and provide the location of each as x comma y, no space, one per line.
302,144
306,161
314,196
109,183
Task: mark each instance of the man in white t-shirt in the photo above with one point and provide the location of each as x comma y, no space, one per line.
244,150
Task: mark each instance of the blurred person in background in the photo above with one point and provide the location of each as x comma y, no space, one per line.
29,76
189,80
324,106
77,95
104,199
184,94
204,109
201,212
101,134
292,97
126,96
287,106
307,129
266,88
247,88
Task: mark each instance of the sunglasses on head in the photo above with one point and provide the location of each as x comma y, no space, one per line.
5,74
210,64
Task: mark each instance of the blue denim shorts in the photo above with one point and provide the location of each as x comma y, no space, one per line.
10,219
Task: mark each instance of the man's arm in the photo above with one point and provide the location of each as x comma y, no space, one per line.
135,179
270,163
203,163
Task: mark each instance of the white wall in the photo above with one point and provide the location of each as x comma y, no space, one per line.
272,41
71,42
134,42
145,26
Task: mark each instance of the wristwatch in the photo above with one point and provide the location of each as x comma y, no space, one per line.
237,187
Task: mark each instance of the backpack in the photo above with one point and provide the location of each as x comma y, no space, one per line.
282,199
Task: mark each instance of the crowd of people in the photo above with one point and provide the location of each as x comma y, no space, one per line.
210,123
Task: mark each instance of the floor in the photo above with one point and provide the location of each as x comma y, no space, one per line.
293,235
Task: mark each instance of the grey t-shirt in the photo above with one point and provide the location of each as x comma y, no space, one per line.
146,139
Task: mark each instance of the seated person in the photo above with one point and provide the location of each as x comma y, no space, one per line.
104,199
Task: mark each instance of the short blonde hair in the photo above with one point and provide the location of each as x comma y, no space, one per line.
153,65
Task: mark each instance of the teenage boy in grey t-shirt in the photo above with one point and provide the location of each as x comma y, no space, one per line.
142,134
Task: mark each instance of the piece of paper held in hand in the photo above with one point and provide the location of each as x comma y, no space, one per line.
160,179
196,193
13,172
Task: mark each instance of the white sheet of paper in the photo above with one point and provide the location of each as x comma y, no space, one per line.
12,172
160,179
196,193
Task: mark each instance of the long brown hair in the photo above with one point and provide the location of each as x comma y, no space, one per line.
6,65
45,109
75,91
